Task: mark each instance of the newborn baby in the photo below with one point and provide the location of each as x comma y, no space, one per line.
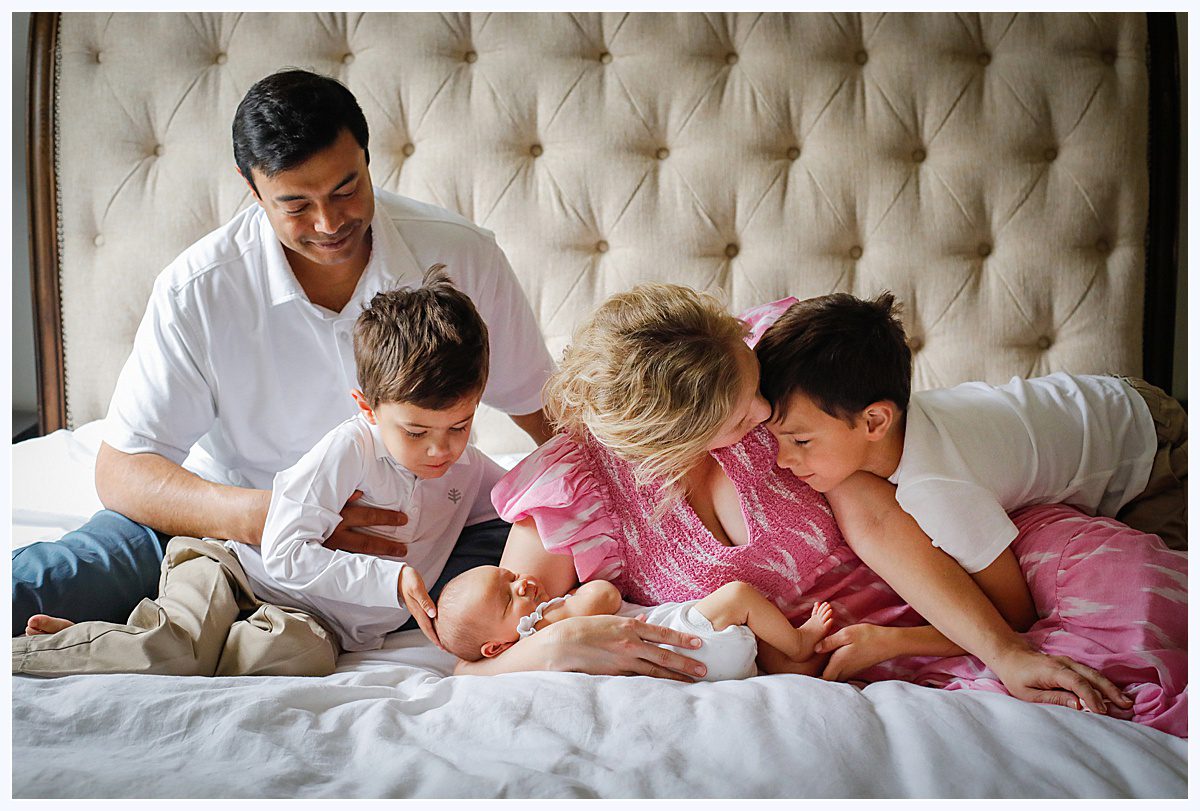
485,610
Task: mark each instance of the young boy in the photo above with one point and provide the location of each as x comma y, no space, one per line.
485,610
422,362
837,372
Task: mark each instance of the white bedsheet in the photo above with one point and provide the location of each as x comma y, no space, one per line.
388,724
392,723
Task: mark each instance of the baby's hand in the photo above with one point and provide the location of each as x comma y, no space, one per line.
415,597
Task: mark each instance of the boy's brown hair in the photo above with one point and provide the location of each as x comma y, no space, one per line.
842,352
426,346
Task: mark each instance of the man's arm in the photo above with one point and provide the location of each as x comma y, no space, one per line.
154,491
535,424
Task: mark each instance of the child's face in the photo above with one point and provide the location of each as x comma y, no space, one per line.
818,448
500,599
426,442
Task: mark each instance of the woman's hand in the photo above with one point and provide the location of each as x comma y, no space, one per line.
856,648
604,645
1042,679
620,646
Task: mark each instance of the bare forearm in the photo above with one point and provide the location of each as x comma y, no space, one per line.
155,491
923,640
535,425
533,653
890,542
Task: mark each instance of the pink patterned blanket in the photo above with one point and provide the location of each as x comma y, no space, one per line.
1107,596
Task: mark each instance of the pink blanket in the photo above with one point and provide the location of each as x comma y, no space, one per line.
1107,596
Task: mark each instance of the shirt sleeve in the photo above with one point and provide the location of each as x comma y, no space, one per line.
306,504
520,362
163,401
962,519
555,487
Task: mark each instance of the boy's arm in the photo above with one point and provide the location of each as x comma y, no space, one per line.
303,513
942,592
858,647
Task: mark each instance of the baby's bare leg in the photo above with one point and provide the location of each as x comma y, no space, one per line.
741,604
43,624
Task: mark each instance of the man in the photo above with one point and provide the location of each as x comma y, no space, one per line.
245,352
243,361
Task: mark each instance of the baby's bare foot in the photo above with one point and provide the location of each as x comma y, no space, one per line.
815,628
42,624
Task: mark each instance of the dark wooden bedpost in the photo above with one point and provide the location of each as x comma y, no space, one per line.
1162,231
43,220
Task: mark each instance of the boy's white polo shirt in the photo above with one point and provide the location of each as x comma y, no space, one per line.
357,594
235,365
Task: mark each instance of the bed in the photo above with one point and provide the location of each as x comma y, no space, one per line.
991,169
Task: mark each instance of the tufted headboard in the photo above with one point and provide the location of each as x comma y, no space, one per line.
991,169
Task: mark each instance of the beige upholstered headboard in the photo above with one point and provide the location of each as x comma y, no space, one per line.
991,169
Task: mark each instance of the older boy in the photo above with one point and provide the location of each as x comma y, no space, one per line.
836,370
421,358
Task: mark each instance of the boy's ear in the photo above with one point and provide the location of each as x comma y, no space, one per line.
361,400
880,417
490,649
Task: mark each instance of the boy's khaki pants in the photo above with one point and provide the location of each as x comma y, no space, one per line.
1161,509
191,630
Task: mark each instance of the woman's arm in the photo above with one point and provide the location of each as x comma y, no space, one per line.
889,541
605,645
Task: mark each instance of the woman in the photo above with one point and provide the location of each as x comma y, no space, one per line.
663,481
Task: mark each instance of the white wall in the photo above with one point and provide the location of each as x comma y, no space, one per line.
24,376
24,392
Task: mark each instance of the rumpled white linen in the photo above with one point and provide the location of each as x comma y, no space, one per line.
391,724
394,723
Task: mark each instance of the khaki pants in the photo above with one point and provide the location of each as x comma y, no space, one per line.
191,630
1161,509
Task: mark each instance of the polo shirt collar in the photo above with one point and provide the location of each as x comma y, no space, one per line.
391,264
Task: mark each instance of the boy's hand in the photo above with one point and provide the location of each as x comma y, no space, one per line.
349,538
855,648
419,603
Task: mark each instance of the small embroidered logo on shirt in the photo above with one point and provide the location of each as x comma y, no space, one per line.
454,495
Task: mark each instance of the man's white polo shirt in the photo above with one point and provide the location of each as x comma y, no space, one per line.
358,595
232,358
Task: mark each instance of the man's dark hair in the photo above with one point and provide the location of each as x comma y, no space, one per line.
289,116
842,352
427,346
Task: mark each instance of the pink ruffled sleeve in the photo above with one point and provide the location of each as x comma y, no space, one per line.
761,318
557,488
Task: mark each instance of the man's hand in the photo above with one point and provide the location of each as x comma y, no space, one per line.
419,603
350,538
1043,679
855,648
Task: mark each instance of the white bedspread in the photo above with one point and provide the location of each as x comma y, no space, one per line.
388,724
393,724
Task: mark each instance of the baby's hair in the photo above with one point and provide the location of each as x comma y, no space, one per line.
455,610
843,352
651,376
427,345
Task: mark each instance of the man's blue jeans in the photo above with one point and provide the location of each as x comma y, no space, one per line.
102,570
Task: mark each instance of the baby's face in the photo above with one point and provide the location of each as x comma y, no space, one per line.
501,598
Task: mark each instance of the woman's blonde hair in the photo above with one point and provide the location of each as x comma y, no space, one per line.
652,376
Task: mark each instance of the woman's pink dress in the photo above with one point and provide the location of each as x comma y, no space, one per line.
1108,596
